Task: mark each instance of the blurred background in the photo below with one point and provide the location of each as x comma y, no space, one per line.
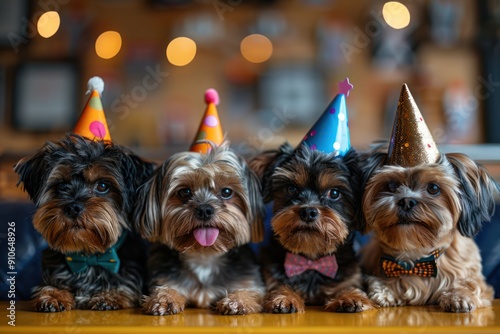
276,65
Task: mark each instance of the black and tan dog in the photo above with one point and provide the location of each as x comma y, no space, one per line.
202,210
85,192
423,208
316,194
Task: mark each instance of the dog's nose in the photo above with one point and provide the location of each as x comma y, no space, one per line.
73,210
308,215
407,203
204,211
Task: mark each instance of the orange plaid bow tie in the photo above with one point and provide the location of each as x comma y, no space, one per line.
425,267
296,264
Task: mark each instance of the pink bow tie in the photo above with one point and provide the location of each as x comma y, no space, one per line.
296,265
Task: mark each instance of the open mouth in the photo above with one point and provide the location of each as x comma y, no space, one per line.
206,236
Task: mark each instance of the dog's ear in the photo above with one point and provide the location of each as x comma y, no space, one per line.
147,213
351,160
265,164
369,163
477,193
139,169
257,208
135,171
34,171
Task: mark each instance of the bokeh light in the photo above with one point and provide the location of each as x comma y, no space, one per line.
108,44
396,15
256,48
181,51
48,24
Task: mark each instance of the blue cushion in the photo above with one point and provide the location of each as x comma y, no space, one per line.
28,248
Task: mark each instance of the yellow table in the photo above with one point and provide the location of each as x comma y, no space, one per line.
314,320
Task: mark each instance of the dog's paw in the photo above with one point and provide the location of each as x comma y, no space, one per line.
350,302
50,299
382,295
240,302
458,303
163,301
284,300
104,301
385,299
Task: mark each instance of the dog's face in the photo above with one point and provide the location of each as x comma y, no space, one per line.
84,192
418,209
202,203
413,208
315,198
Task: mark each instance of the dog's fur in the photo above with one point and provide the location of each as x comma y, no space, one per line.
302,179
85,192
225,274
447,218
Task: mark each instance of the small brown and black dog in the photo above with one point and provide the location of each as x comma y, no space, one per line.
429,212
202,210
85,192
311,259
424,208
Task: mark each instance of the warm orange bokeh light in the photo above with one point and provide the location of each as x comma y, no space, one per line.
181,51
256,48
108,44
396,15
48,24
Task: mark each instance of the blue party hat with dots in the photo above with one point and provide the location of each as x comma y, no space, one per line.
330,134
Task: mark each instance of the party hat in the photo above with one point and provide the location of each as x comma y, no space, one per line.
92,123
411,141
330,133
210,128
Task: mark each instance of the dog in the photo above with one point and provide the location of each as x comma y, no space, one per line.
85,192
423,219
316,203
202,210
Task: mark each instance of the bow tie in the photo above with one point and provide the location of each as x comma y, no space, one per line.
296,264
425,267
108,260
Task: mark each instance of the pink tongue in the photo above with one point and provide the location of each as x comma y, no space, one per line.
206,236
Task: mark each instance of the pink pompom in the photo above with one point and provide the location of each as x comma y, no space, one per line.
211,96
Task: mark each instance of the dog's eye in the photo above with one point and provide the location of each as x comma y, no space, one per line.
334,193
292,190
184,193
226,193
392,186
63,186
101,187
433,189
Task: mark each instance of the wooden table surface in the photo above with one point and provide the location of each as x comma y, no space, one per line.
386,320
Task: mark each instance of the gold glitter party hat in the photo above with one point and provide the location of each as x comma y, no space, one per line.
411,141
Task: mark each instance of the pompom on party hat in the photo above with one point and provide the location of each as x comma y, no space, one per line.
411,141
330,133
92,122
210,128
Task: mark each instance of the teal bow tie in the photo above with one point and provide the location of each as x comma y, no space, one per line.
108,260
